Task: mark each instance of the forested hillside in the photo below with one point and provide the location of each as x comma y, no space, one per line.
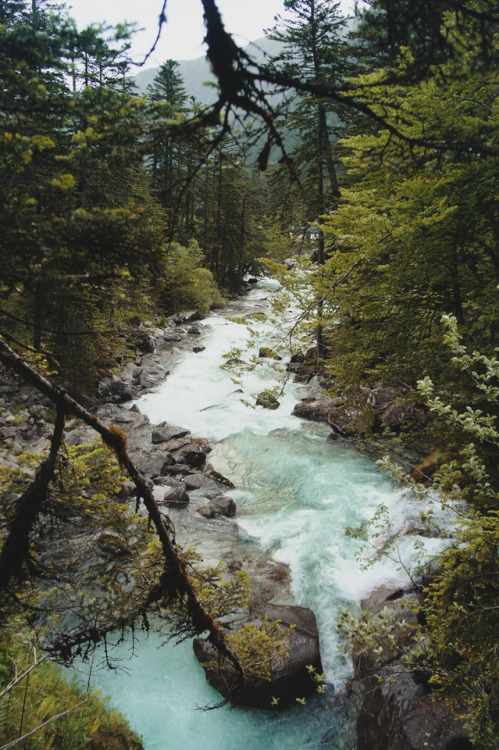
370,156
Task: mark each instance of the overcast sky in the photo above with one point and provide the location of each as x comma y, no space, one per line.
182,37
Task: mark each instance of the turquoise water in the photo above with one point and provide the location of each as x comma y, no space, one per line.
296,493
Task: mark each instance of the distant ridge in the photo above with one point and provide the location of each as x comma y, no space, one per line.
198,78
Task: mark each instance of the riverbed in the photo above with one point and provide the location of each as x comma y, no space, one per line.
296,493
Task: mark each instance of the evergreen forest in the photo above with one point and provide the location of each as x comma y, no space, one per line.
359,165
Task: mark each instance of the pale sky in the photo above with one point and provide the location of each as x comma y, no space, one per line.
182,37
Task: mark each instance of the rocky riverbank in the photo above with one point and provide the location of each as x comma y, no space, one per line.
198,499
185,486
396,709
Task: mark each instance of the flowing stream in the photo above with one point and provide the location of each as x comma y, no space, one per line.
296,493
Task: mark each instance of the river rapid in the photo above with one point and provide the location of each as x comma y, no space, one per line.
296,493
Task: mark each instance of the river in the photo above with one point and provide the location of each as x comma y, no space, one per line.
296,494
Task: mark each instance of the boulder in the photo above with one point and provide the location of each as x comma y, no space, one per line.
176,497
265,352
115,390
128,490
199,481
267,400
290,677
394,712
223,506
188,316
315,409
399,412
179,469
206,511
170,432
145,343
193,454
152,463
346,421
172,335
152,376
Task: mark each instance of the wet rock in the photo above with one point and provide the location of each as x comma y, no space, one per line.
145,343
172,335
197,349
176,497
206,511
194,331
199,481
152,376
346,421
265,352
193,455
315,409
394,712
303,374
223,506
267,400
152,463
290,678
164,434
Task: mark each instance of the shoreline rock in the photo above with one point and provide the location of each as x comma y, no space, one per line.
290,677
395,710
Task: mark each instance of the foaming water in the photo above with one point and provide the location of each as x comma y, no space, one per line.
297,496
201,396
296,493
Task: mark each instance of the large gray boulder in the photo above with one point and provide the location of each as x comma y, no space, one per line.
169,432
290,677
223,506
176,497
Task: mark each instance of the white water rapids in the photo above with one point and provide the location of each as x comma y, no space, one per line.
296,493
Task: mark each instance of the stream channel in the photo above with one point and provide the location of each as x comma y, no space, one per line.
296,492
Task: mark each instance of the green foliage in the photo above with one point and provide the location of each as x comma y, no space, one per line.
260,647
457,645
66,714
419,224
78,222
186,284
